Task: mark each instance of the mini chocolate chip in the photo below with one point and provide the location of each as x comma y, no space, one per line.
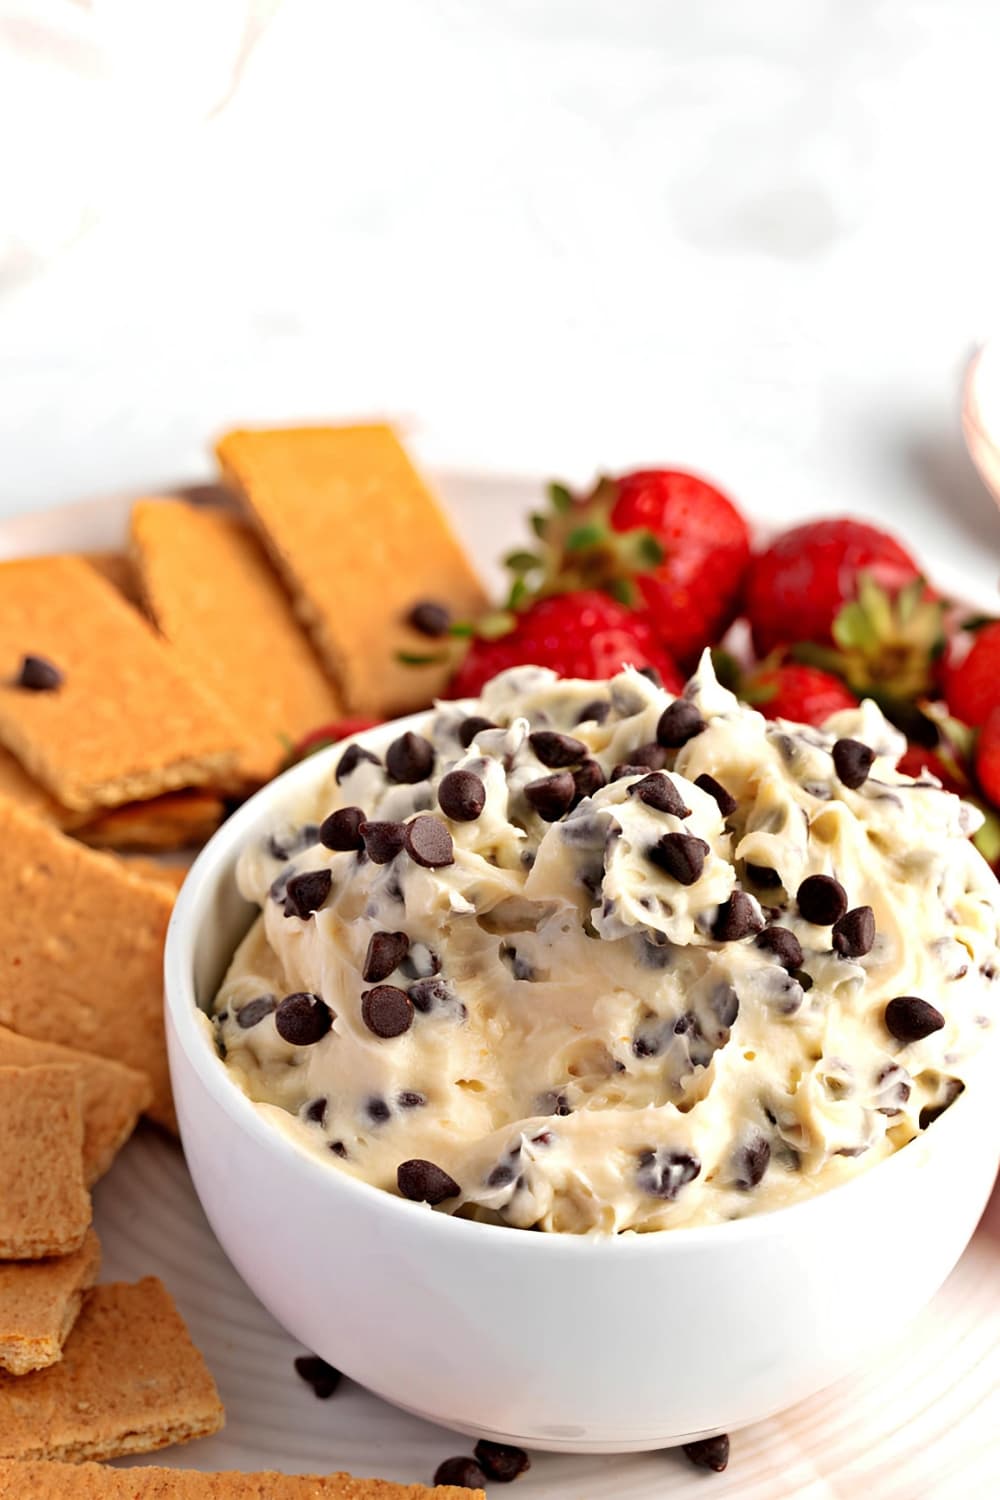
315,1110
254,1011
293,841
594,713
727,802
383,841
932,1112
470,727
378,1111
424,1182
709,1453
910,1019
588,778
784,945
664,1173
410,758
353,757
651,675
822,900
501,1462
852,761
387,1011
461,796
764,876
660,793
421,962
555,749
306,893
427,993
410,1099
386,951
463,1473
854,932
679,855
303,1019
323,1378
430,618
428,843
501,1176
751,1162
736,918
805,980
626,768
551,796
653,756
342,829
679,722
38,675
339,1149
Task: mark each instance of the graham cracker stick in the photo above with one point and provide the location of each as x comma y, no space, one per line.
112,1096
44,1204
81,951
359,540
214,596
123,722
130,1381
39,1303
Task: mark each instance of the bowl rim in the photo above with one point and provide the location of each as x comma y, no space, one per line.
182,1008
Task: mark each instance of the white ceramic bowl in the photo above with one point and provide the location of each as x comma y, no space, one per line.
558,1342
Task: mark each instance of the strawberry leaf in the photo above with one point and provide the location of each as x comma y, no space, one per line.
585,536
560,498
539,524
420,659
623,589
522,562
518,594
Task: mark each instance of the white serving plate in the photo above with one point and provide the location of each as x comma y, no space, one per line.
920,1424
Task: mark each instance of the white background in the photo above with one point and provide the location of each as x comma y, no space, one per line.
549,235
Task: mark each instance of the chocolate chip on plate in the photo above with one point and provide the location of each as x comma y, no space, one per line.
727,802
430,618
679,855
254,1011
737,917
342,829
660,793
386,951
784,945
353,757
38,675
588,778
428,843
461,796
387,1011
551,796
679,722
854,932
305,893
709,1453
822,900
501,1462
410,758
556,750
852,761
303,1019
383,841
424,1182
910,1019
470,727
323,1378
463,1473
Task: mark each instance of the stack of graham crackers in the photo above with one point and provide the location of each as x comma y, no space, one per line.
139,693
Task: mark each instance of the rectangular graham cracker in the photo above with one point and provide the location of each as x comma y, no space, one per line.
126,722
177,820
44,1203
39,1303
212,593
112,1096
172,873
53,1481
117,568
359,540
81,951
20,787
130,1381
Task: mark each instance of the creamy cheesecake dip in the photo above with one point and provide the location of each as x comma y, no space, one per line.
584,957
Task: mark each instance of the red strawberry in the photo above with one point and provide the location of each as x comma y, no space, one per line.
582,634
691,596
972,688
988,757
328,734
791,691
797,587
915,761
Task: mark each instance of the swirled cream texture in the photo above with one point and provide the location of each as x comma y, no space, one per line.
605,993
